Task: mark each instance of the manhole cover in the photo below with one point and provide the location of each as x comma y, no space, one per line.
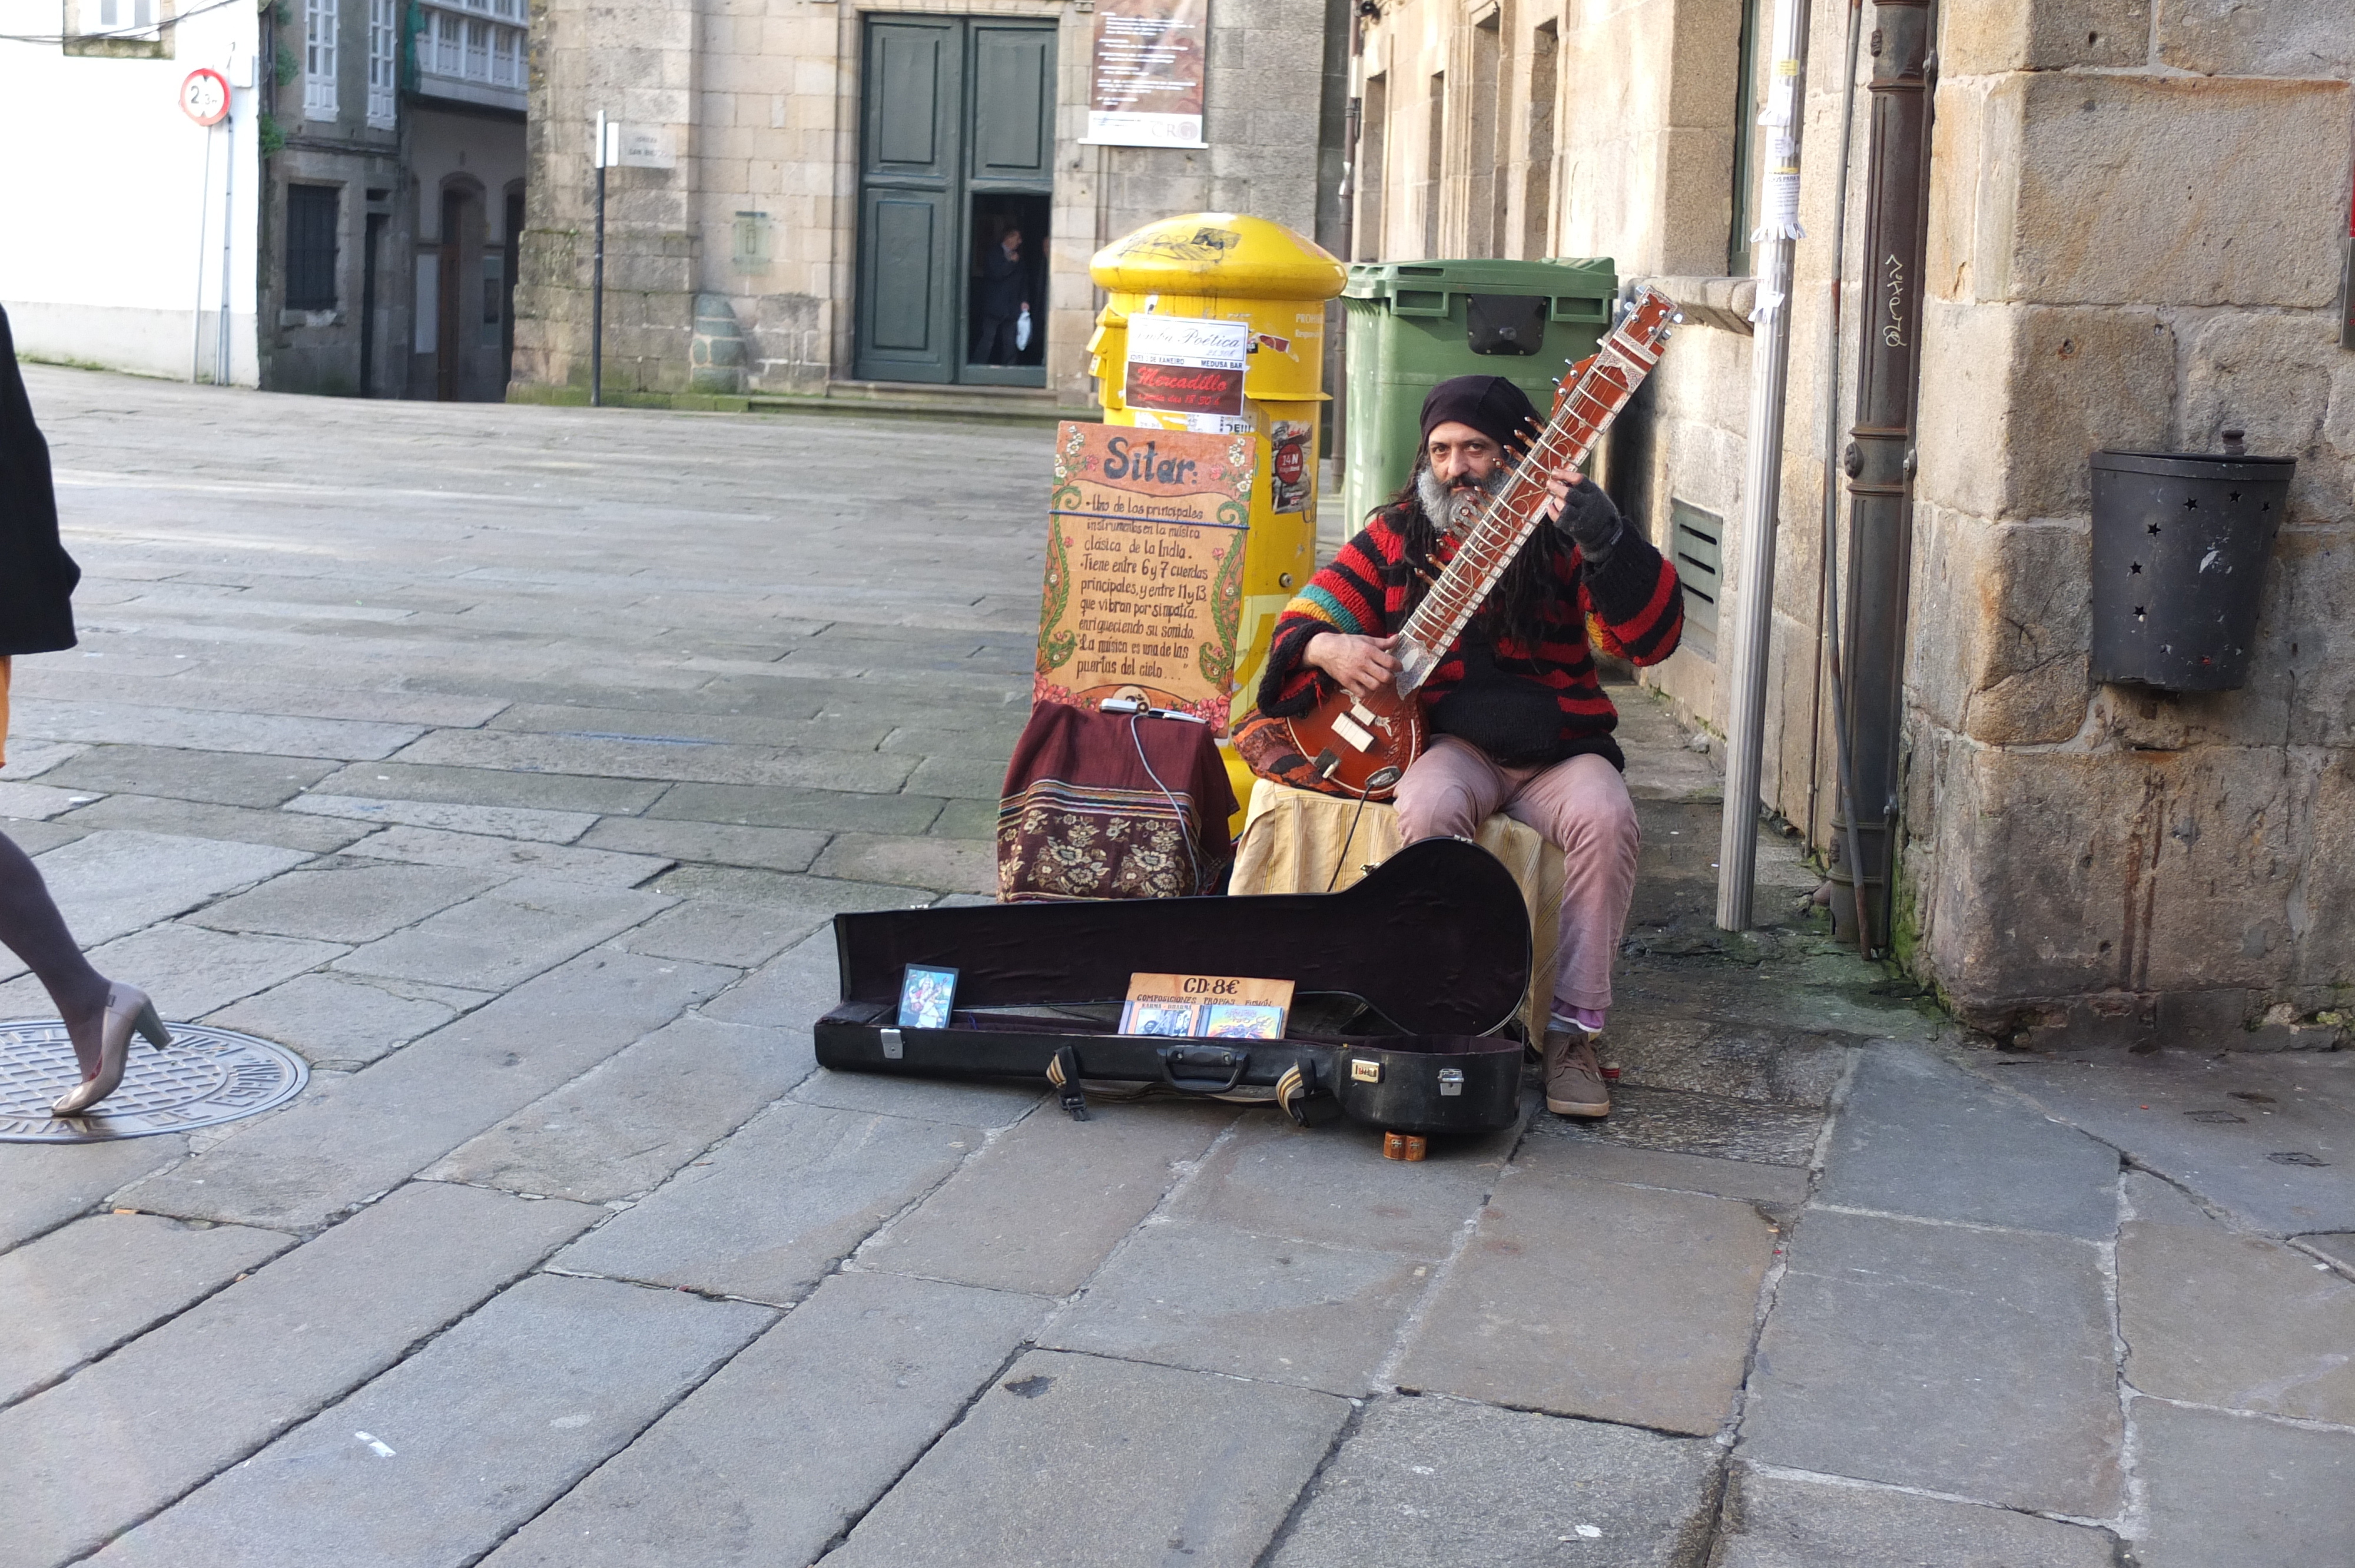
209,1076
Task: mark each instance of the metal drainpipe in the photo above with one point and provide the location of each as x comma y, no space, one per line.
1881,452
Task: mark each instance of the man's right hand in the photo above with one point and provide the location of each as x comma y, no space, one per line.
1362,665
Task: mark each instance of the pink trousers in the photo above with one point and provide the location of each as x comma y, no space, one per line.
1580,804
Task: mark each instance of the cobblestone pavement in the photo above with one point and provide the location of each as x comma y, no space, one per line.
506,763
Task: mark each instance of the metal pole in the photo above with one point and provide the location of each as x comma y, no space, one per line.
597,283
204,220
1779,231
221,376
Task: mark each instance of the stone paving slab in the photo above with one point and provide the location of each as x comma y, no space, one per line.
189,970
77,1292
110,885
987,1104
43,1185
106,1448
451,1451
744,936
786,1446
38,839
786,891
1743,1061
504,937
1716,1126
2339,1248
716,843
221,778
1197,1294
491,786
622,1128
198,820
263,734
704,763
347,1140
1785,1522
1076,1462
1918,1136
792,991
564,863
1042,1205
2159,1202
840,731
499,821
38,802
2240,1491
289,701
1896,1354
1774,1187
1590,1298
336,1019
953,865
1331,1184
1429,1481
2209,1318
2166,1111
30,758
778,806
345,900
777,1205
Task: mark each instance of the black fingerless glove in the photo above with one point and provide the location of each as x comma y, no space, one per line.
1591,520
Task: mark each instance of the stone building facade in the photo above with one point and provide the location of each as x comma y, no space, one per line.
2137,221
741,253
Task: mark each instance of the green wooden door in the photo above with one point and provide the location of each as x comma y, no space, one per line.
957,111
911,157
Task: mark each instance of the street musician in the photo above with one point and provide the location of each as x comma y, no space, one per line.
1518,719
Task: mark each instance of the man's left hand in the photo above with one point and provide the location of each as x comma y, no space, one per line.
1577,505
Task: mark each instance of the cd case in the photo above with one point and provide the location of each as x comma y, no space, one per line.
927,996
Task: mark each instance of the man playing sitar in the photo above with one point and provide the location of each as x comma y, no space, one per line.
1519,721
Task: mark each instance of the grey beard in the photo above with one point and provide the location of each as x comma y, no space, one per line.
1455,509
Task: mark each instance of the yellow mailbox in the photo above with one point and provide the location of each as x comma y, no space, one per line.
1225,268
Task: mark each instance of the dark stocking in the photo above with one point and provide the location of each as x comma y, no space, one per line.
31,928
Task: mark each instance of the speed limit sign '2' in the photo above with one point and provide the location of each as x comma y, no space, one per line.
205,96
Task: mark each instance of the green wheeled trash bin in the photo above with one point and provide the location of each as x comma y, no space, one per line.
1413,325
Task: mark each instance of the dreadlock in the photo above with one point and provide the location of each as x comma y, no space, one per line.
1515,609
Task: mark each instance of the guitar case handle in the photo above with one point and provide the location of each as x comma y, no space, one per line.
1198,1065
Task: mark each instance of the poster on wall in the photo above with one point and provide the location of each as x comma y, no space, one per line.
1187,374
1145,84
1145,568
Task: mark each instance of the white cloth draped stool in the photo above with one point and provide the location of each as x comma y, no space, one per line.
1295,841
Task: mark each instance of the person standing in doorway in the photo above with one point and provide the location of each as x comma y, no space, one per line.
1005,296
37,584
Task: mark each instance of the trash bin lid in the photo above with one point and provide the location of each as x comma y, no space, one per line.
2195,465
1218,253
1585,277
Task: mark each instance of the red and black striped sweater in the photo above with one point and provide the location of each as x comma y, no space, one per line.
1632,601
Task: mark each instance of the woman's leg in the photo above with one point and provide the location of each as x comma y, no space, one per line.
31,928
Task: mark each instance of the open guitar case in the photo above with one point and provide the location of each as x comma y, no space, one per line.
1404,1015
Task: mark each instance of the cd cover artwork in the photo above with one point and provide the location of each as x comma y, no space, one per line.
926,995
1165,1018
1242,1021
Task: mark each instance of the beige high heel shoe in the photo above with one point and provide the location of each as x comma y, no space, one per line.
128,1012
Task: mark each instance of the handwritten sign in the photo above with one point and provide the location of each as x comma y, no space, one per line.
1145,568
1189,368
1145,86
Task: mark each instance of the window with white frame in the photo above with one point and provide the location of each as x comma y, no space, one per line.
383,61
127,18
476,42
319,19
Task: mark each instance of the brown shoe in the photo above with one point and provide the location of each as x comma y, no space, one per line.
1573,1078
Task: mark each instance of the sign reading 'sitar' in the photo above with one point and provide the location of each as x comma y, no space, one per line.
1145,568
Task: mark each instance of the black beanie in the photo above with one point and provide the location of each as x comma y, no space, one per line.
1489,404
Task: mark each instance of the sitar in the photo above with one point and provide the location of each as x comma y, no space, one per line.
1361,745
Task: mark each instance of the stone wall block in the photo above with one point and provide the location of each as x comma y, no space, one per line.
1958,127
2321,916
2192,191
2002,623
2271,375
1964,412
2086,379
2257,37
1988,37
